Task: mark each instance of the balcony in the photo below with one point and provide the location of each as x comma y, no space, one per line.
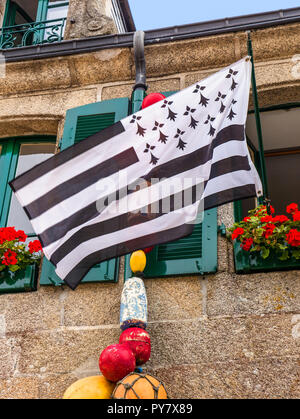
35,33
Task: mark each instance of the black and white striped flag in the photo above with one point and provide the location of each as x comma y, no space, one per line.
84,203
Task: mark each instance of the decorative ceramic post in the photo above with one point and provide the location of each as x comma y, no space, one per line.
133,311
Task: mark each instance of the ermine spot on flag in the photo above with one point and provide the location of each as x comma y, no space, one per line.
141,181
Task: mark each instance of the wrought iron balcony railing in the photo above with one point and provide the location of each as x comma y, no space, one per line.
32,33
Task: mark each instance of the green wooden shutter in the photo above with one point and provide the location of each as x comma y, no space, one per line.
195,254
8,165
5,164
80,123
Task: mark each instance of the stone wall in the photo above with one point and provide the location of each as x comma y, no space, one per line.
218,336
89,18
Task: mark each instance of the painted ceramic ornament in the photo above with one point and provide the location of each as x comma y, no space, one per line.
151,99
116,361
139,342
138,261
133,310
140,386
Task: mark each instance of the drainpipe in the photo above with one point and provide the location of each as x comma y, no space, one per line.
140,86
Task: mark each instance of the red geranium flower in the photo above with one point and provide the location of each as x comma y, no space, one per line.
246,219
296,216
247,244
10,258
8,234
35,246
280,219
266,219
21,236
293,237
290,209
237,232
264,208
269,230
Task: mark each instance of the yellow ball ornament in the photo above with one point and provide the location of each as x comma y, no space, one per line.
138,261
95,387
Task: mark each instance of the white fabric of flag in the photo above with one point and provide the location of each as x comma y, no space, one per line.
83,202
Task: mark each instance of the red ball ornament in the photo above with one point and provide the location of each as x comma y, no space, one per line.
139,342
148,249
151,99
116,361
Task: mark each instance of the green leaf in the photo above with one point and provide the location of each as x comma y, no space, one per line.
282,246
14,268
260,231
296,253
255,249
265,252
284,255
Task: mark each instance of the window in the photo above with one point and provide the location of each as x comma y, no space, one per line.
30,22
281,138
117,16
54,12
282,156
195,254
17,156
20,11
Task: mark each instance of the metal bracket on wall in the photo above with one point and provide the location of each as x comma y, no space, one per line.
222,229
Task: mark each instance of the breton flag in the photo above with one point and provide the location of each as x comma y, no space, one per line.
84,203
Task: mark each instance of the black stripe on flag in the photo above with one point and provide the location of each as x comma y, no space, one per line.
229,165
166,170
121,249
120,222
198,157
66,155
80,182
229,195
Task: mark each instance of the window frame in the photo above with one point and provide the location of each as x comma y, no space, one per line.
26,280
238,216
42,11
246,263
12,8
44,6
9,162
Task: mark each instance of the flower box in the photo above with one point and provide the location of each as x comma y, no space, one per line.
264,241
19,261
20,281
246,262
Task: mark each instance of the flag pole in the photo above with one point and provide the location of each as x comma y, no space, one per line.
140,86
265,197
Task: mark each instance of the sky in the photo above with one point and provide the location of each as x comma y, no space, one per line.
153,14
